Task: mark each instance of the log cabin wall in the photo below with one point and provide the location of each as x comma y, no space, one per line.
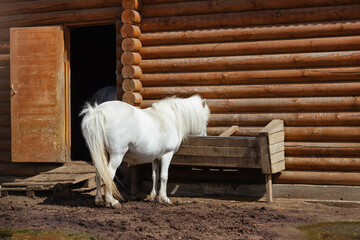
30,13
254,61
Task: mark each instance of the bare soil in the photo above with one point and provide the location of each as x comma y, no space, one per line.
186,218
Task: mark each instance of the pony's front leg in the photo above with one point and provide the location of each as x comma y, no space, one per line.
165,163
155,178
114,163
99,201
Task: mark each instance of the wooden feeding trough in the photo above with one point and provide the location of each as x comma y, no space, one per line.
265,151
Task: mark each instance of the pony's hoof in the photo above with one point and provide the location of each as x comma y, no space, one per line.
165,200
149,198
116,205
99,203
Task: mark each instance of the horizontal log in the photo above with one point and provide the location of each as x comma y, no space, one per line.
255,76
322,149
319,177
343,133
5,108
71,16
131,71
4,83
161,1
290,119
130,16
296,15
4,59
130,31
130,58
5,145
5,157
4,34
248,48
5,118
321,163
5,132
131,4
295,60
40,6
279,104
5,95
255,91
284,31
132,98
131,85
4,47
131,44
220,6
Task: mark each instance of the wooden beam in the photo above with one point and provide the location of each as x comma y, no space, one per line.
323,149
221,6
255,47
268,105
130,31
296,60
130,16
131,72
329,163
229,132
131,85
290,119
296,15
250,91
304,75
246,33
222,162
130,58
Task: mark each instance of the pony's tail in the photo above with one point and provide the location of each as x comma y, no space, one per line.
93,129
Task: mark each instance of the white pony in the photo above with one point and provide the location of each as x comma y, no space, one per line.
144,135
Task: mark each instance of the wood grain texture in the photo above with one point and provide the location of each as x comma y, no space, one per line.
37,109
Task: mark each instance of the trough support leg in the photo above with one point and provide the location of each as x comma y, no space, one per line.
134,180
269,194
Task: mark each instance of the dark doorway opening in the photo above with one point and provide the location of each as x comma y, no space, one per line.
93,66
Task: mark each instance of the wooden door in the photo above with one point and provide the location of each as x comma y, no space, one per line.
38,102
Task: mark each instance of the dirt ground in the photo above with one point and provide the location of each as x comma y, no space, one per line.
186,218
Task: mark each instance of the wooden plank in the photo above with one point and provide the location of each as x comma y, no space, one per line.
249,142
264,153
273,127
278,167
277,147
222,162
37,110
229,132
276,138
213,151
277,157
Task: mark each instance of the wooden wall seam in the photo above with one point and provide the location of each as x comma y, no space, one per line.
131,58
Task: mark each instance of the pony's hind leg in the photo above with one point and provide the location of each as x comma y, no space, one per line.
99,201
155,178
114,163
165,163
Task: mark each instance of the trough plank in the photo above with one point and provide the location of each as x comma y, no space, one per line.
212,151
221,141
217,161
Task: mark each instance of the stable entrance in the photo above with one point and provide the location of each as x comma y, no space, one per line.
93,66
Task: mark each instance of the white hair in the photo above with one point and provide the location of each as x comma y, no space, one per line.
189,115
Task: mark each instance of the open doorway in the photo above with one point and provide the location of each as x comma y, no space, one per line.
93,66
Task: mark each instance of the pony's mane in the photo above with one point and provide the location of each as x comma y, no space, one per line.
187,114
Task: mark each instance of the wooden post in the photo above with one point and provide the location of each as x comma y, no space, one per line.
269,193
